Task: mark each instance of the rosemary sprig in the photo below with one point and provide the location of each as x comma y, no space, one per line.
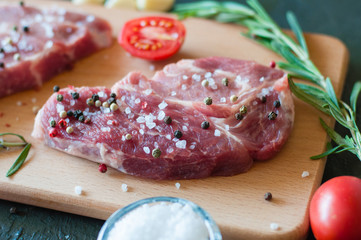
317,90
23,155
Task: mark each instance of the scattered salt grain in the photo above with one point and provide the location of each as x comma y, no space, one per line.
127,110
159,128
78,190
156,145
122,98
160,221
173,93
151,67
59,107
208,75
148,91
184,87
305,174
192,147
177,185
217,133
146,149
261,79
150,125
109,122
168,137
223,100
226,127
162,105
185,128
124,187
137,101
106,110
196,77
141,119
170,150
274,226
90,18
101,94
72,102
161,115
181,144
142,126
141,131
238,79
185,77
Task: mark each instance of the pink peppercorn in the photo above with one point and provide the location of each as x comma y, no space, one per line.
272,64
62,123
102,168
53,132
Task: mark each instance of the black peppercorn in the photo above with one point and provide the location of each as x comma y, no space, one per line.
268,196
167,120
13,210
26,28
208,101
56,88
272,116
113,95
75,95
95,97
2,50
78,113
81,118
178,134
70,113
21,3
2,65
277,103
263,99
238,116
205,125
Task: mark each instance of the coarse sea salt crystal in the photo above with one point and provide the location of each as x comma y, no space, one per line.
101,94
261,79
208,75
110,122
217,133
59,107
174,221
148,91
196,77
274,226
159,128
305,174
78,190
177,185
184,87
142,126
181,144
122,98
137,101
170,150
185,128
162,105
141,119
150,125
226,127
223,100
184,77
168,137
127,110
173,93
161,115
141,131
192,147
106,110
124,187
146,150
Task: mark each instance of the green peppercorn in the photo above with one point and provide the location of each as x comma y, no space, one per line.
205,83
128,136
272,116
59,97
208,100
225,82
90,102
113,95
81,118
56,88
21,3
63,114
52,123
113,107
156,153
243,110
98,103
233,98
205,125
263,99
178,134
75,95
15,28
277,104
238,116
167,120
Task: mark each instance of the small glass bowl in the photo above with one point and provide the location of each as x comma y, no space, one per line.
213,230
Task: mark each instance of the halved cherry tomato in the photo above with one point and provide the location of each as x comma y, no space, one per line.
152,38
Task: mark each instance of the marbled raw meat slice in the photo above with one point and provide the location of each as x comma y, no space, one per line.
45,43
229,146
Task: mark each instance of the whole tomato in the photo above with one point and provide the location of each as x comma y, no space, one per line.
335,210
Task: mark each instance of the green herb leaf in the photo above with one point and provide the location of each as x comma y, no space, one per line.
354,95
292,21
19,161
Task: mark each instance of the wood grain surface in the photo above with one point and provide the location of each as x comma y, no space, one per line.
48,177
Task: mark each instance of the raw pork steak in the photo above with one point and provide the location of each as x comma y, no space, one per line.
35,44
137,138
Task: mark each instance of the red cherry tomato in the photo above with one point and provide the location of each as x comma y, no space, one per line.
152,38
335,210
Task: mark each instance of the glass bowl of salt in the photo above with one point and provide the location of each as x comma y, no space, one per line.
160,218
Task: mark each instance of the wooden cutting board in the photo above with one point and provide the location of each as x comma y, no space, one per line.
48,177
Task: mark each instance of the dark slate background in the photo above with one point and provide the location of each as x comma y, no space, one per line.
341,19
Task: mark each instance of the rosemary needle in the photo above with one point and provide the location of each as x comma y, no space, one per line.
317,90
23,155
